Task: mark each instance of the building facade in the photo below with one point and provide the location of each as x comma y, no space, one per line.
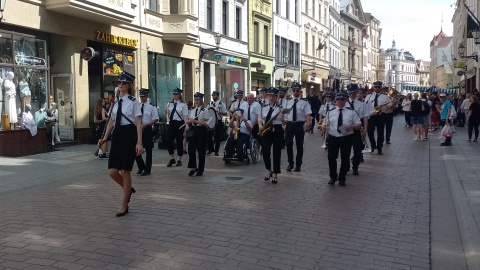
315,40
260,44
371,48
351,39
441,56
74,55
423,72
400,68
334,42
286,38
227,22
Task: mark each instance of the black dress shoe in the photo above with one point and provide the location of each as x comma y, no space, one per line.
373,150
388,142
145,173
289,168
209,152
139,171
216,154
179,163
132,190
297,169
268,176
171,162
192,172
121,214
355,172
332,182
342,183
199,173
380,152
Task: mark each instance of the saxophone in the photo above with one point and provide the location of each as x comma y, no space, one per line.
268,126
237,129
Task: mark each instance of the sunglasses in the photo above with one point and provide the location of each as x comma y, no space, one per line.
340,99
296,90
122,82
175,94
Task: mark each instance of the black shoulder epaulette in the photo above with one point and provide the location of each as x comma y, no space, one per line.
349,108
220,103
331,109
132,98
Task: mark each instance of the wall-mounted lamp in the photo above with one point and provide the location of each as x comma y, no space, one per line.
461,52
218,39
281,65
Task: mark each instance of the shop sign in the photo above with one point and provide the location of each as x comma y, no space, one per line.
117,40
114,62
288,74
234,60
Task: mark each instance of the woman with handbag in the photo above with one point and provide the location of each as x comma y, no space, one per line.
197,134
177,113
101,117
126,138
473,118
445,109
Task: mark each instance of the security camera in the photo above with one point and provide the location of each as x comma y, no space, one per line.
459,71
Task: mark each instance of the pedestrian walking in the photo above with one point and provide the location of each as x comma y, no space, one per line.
341,121
473,117
299,119
465,106
197,123
417,116
270,125
149,118
377,118
389,116
427,105
101,117
315,104
126,138
177,114
407,110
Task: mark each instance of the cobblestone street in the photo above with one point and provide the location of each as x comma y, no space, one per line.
58,211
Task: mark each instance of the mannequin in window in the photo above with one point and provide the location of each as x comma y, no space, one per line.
25,93
52,122
27,120
40,116
10,98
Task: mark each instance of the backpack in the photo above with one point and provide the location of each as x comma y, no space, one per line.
426,108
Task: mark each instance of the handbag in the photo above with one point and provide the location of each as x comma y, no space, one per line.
446,131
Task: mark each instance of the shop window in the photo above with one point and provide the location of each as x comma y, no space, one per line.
30,52
6,50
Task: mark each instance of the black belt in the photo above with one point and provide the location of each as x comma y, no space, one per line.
298,122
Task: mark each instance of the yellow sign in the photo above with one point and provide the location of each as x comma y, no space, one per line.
461,64
288,74
113,39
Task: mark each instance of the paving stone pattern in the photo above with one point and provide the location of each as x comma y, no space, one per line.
57,212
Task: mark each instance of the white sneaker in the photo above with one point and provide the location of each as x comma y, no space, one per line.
415,138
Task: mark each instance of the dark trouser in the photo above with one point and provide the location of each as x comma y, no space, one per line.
237,145
294,130
314,117
274,138
388,126
215,137
471,126
357,148
376,122
175,134
460,118
147,140
198,143
344,144
408,118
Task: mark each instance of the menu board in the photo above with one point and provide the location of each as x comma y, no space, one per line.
114,62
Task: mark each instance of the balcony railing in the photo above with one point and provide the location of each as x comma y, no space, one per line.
105,11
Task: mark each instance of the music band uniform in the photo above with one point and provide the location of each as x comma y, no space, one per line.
322,112
149,118
243,137
377,121
215,135
340,140
237,103
177,113
274,138
198,142
299,114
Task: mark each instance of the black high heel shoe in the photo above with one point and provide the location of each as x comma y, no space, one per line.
274,179
268,176
132,190
192,172
120,214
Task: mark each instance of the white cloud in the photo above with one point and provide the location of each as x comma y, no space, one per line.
412,23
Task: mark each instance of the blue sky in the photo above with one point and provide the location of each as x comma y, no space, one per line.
413,23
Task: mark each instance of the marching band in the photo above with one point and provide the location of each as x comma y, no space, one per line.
273,122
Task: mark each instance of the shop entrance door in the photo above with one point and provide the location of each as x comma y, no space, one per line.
63,96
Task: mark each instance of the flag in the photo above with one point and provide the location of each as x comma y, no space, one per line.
472,25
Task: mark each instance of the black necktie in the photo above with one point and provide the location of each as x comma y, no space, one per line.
213,103
249,112
173,111
340,121
295,110
351,104
141,110
118,118
375,104
196,114
269,115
